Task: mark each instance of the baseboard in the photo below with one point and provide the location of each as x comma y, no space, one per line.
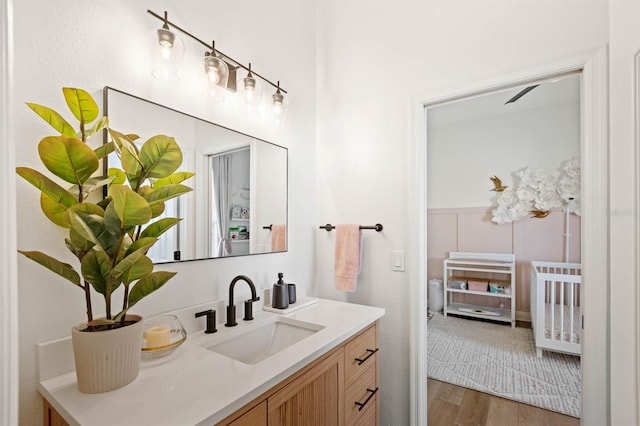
523,316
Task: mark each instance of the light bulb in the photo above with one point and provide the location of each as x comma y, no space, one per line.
166,39
249,87
166,53
278,98
213,75
216,76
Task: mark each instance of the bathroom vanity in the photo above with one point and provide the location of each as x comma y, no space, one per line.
330,376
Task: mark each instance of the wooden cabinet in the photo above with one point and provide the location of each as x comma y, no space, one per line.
257,416
340,388
51,416
314,399
361,377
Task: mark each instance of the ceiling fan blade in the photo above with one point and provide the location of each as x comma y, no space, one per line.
521,94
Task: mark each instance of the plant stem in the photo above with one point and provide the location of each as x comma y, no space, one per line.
125,300
87,296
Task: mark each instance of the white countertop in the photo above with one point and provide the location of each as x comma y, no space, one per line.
195,386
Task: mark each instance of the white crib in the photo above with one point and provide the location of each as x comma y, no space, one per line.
556,316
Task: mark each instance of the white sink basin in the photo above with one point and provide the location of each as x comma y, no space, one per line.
255,344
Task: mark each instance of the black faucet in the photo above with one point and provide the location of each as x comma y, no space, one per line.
248,304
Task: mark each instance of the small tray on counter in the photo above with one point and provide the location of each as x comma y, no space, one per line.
300,303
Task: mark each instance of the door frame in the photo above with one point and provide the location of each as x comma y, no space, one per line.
595,363
8,265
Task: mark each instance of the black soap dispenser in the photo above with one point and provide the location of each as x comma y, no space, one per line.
280,294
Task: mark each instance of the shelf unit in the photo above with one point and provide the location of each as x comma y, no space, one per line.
486,266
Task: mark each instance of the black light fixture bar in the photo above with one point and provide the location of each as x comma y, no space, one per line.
208,46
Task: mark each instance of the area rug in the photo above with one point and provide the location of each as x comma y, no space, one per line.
501,361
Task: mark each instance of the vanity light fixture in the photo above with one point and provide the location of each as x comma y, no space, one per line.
216,74
215,63
279,107
167,51
252,90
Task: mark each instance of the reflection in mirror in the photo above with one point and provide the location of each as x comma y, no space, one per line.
239,202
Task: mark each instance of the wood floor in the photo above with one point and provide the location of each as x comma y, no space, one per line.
450,405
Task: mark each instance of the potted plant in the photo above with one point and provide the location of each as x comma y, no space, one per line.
109,235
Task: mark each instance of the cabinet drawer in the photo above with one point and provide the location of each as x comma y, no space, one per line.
359,354
362,391
257,416
367,416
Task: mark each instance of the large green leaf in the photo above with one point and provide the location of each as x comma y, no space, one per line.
99,125
95,269
81,104
131,208
76,244
141,268
165,193
96,183
144,242
92,225
89,226
77,252
47,186
54,119
148,285
157,208
159,227
131,165
173,179
68,158
104,150
160,156
63,269
118,175
54,210
124,142
112,221
123,266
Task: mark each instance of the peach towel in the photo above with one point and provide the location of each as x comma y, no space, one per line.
278,237
348,250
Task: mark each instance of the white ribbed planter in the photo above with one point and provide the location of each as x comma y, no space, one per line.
107,360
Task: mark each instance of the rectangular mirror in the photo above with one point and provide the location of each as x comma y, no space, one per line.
238,205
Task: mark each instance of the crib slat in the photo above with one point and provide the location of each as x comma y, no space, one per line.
553,311
562,288
571,301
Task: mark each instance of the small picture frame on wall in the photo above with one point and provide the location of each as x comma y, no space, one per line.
236,212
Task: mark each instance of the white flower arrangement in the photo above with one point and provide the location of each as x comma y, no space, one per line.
539,191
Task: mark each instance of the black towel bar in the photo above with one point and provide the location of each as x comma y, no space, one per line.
378,227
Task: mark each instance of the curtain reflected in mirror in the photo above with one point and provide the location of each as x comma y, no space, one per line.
239,202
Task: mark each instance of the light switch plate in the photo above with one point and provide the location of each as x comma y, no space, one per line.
397,260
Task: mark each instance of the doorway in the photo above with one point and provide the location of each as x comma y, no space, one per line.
594,149
493,160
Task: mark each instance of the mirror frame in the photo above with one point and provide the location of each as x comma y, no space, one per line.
105,109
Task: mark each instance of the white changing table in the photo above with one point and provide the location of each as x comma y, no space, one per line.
468,265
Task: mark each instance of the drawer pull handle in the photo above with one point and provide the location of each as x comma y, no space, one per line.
369,355
366,401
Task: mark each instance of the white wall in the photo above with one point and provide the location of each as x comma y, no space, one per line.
373,58
93,44
462,156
